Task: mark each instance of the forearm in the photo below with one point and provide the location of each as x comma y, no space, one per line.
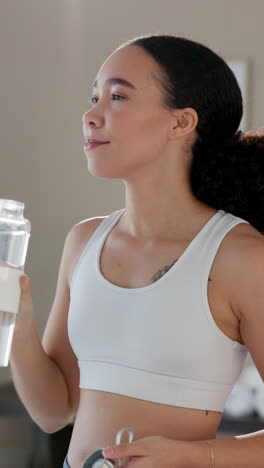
39,381
232,452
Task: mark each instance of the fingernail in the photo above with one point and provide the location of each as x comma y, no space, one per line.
26,282
108,452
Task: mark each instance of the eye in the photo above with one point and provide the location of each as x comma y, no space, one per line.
94,101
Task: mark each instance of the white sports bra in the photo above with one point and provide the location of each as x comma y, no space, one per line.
160,342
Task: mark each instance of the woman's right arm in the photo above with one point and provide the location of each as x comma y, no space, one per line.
45,372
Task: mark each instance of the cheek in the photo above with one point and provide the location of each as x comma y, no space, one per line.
136,132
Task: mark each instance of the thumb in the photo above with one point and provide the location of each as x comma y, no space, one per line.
25,283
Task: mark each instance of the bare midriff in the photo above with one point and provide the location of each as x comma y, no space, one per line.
102,414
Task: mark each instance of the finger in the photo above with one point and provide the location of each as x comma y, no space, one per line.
124,450
25,284
26,301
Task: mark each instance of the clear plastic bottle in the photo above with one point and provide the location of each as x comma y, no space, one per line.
14,237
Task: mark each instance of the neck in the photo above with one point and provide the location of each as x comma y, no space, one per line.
159,210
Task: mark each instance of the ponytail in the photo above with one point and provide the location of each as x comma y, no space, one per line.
230,175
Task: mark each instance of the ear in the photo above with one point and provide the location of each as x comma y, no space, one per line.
184,122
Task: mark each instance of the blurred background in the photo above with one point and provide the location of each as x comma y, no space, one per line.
51,51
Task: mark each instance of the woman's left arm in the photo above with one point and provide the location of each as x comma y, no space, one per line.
242,451
247,450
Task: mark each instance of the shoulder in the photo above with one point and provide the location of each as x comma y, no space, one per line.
76,240
242,245
242,261
85,227
81,232
245,248
246,278
248,247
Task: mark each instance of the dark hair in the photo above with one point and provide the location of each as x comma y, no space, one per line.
228,166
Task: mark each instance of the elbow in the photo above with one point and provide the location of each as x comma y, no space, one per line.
51,426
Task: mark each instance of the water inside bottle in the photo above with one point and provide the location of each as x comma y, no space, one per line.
7,324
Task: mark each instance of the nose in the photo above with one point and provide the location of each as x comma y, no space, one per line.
91,119
86,117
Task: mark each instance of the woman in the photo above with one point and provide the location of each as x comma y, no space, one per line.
158,303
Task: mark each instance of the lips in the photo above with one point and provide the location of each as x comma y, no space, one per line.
93,140
93,143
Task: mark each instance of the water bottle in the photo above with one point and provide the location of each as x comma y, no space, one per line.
14,238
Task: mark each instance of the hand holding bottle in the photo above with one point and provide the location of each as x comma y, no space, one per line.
17,311
14,237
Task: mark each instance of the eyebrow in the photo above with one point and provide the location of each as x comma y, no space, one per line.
120,81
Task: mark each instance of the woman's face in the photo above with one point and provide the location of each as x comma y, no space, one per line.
132,118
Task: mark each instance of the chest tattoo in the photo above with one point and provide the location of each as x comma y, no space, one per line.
163,271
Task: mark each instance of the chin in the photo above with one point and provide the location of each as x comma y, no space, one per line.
106,173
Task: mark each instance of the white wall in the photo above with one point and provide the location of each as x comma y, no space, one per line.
51,51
